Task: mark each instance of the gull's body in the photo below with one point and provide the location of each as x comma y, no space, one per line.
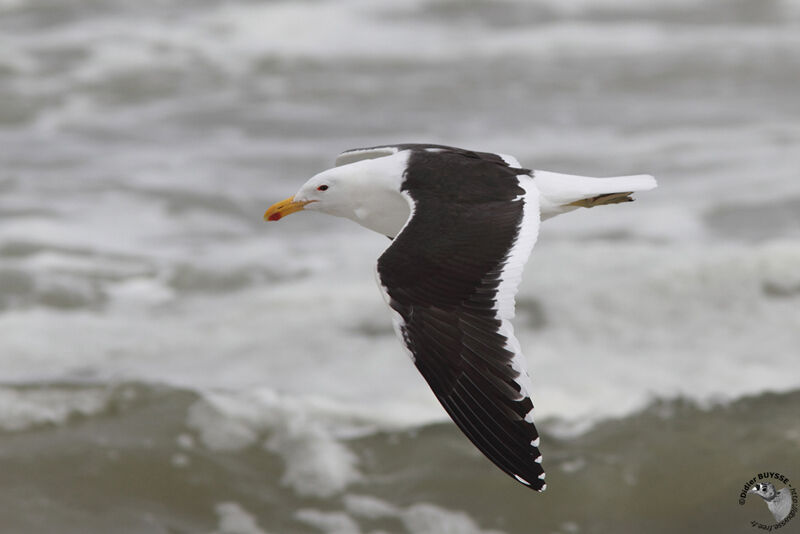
463,224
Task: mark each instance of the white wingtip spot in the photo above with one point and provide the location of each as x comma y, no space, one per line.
541,477
538,459
544,487
529,416
522,480
535,443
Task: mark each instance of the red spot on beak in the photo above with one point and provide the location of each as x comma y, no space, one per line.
281,209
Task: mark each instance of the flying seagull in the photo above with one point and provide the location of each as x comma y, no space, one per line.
462,225
779,502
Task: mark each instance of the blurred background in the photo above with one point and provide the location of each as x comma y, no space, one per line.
171,364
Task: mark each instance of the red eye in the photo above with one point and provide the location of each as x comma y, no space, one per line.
322,188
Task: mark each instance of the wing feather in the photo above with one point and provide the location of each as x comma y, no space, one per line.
358,154
450,277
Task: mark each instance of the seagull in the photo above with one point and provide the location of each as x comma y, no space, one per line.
778,502
462,225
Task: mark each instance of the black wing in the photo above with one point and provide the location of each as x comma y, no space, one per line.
444,275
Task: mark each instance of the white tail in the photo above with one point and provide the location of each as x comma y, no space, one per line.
560,193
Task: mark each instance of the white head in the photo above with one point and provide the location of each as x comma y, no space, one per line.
366,191
765,490
330,192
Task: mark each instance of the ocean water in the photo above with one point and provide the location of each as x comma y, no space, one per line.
171,364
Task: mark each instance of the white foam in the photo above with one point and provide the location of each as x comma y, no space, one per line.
662,319
180,460
308,438
235,37
21,409
431,519
419,518
316,463
107,203
233,519
291,29
328,522
369,507
664,325
139,292
575,7
185,441
223,427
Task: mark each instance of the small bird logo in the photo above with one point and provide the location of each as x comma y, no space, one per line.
779,502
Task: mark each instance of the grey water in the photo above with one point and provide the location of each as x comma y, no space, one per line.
170,363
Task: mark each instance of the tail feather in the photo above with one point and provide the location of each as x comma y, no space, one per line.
561,193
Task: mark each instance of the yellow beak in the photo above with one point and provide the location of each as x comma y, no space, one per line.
284,208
